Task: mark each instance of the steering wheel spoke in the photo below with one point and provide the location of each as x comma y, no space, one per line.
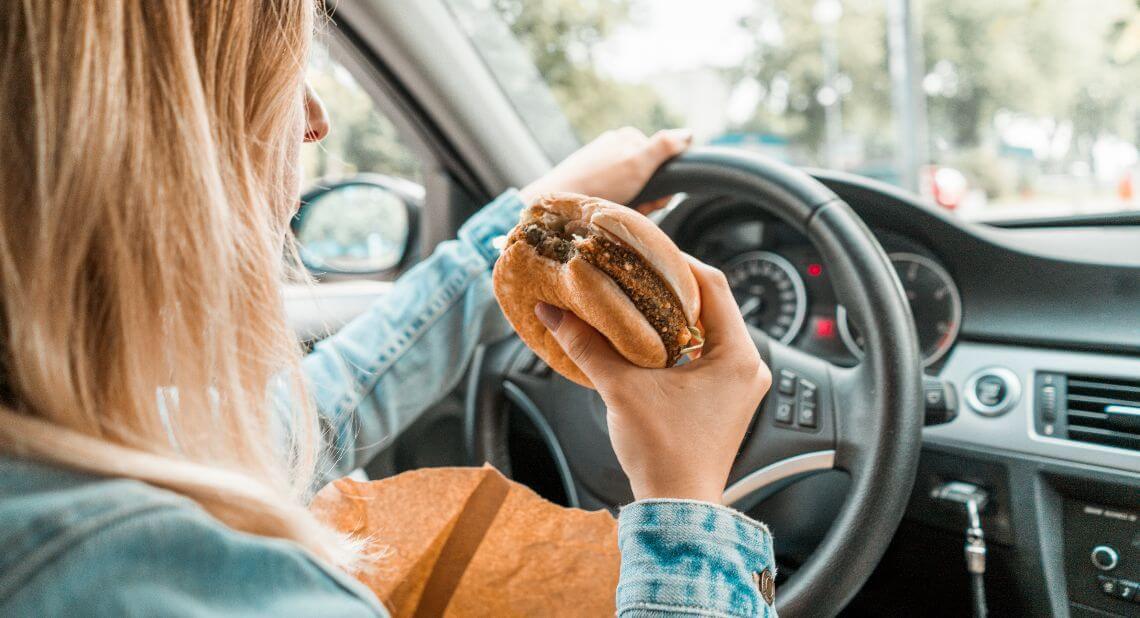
794,432
569,419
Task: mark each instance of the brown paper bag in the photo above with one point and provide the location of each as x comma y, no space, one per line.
469,542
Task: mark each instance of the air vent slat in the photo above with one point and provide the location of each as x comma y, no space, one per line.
1123,387
1104,436
1103,401
1097,410
1107,390
1092,419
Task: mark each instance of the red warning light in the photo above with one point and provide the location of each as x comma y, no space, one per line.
814,270
825,328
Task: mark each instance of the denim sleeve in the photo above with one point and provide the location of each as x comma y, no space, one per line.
377,374
155,560
681,557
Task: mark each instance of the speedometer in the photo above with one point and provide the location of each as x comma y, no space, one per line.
934,303
770,293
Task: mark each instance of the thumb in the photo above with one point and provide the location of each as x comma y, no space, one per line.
583,345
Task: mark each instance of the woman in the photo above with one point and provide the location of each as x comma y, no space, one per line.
160,433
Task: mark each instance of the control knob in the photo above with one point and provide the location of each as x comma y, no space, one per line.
1104,557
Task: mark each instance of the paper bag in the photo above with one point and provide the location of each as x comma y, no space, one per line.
469,542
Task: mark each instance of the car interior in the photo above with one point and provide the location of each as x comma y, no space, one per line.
954,419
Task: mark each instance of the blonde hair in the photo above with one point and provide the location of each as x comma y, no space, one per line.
146,192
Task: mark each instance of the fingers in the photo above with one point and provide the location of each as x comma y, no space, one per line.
582,344
632,134
727,338
720,316
668,143
614,166
661,147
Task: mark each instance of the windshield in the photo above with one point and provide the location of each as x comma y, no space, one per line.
993,109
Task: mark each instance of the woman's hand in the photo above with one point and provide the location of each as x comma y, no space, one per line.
675,431
615,166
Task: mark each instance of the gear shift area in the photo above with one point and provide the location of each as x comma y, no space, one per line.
973,499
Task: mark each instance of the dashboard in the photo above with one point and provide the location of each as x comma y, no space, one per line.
784,289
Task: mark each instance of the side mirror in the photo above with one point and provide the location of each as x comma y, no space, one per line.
364,225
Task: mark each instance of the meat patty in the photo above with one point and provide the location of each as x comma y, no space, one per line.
640,282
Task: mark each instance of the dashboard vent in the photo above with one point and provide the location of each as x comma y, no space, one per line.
1103,410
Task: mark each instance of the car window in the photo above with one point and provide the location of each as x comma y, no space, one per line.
360,184
994,109
362,139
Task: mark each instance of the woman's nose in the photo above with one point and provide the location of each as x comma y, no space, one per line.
316,117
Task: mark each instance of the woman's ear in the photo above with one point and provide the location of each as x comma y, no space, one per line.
316,117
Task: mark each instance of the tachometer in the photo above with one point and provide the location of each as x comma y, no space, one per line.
934,303
770,293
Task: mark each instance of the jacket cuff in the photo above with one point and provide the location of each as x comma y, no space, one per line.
693,557
491,222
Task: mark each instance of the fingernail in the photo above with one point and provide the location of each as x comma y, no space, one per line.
549,315
685,135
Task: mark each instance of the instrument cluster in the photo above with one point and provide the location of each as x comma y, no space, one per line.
784,289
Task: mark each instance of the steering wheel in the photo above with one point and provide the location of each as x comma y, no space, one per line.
867,419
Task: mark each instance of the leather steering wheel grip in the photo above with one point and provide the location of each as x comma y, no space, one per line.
791,194
880,434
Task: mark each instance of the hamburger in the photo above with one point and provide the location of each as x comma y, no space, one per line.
609,265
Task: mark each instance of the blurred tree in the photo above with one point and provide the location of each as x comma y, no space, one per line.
788,62
1048,60
561,36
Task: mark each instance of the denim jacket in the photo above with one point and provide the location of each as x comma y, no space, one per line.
81,545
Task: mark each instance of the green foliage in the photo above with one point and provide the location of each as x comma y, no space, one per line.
1044,58
790,68
560,36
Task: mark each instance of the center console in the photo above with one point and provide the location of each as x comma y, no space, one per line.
1054,437
1102,557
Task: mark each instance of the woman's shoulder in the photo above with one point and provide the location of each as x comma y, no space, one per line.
75,543
49,510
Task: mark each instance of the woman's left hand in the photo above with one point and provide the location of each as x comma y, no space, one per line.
615,166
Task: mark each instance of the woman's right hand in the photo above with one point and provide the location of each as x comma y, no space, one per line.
676,431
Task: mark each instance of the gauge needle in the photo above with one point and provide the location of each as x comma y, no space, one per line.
750,305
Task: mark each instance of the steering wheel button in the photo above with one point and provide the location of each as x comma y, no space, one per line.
806,416
784,409
807,392
787,385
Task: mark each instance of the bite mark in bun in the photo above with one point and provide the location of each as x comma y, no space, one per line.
609,265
